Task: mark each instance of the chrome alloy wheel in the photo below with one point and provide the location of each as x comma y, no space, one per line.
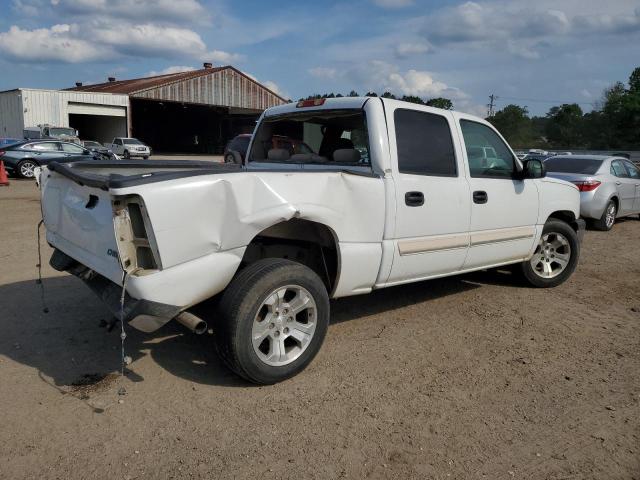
610,216
552,255
27,169
284,325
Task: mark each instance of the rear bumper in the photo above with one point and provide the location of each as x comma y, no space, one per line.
144,315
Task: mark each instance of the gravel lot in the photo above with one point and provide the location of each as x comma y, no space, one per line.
475,376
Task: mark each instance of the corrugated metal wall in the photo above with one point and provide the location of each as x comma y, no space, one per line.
52,106
11,123
225,88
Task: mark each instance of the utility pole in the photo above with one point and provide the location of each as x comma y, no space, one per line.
491,104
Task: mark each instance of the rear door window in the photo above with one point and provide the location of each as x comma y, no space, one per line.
632,169
45,146
424,144
72,148
617,169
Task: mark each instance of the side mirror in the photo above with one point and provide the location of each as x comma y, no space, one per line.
533,168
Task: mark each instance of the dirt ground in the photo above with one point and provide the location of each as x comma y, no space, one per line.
469,377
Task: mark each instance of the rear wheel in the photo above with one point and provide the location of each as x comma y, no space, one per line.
555,257
608,218
146,157
274,317
26,168
228,158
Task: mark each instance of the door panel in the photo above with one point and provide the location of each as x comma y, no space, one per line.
634,175
504,209
432,195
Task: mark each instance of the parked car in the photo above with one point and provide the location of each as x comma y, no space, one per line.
20,159
129,148
275,238
9,141
50,132
94,146
240,143
609,186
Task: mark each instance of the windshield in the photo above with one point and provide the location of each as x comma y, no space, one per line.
572,165
131,141
58,132
92,144
321,137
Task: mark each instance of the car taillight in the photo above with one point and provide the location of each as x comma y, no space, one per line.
587,185
316,102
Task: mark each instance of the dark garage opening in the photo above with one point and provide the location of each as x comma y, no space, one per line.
101,128
173,127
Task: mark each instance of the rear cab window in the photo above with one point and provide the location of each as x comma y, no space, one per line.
424,144
488,155
313,140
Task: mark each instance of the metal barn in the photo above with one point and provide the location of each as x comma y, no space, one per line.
190,112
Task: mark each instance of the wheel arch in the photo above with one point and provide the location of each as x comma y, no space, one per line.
311,243
566,216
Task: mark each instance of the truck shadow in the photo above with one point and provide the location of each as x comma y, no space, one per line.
70,350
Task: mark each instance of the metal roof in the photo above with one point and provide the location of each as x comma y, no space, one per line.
138,85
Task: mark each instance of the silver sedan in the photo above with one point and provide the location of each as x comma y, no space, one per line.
609,186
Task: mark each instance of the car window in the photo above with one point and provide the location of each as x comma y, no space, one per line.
585,166
632,169
45,146
487,154
72,148
117,142
424,144
331,137
617,169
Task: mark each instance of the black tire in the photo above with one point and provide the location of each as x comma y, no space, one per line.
530,274
601,223
126,154
241,302
146,158
228,158
23,163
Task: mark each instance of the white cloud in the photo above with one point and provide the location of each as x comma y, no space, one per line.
524,27
147,10
58,43
421,84
323,72
273,86
170,70
393,3
404,50
104,40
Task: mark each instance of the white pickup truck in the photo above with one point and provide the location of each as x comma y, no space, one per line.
129,148
393,193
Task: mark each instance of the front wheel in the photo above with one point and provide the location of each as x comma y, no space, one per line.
274,317
126,154
555,257
26,168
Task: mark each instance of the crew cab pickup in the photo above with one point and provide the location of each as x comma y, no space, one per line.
129,148
391,193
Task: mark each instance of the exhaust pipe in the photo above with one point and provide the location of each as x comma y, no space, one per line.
193,323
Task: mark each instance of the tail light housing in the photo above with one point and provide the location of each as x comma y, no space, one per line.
587,185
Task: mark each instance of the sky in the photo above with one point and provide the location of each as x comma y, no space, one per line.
531,53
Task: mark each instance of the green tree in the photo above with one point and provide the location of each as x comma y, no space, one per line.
388,95
440,102
371,94
353,93
514,124
564,128
412,99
